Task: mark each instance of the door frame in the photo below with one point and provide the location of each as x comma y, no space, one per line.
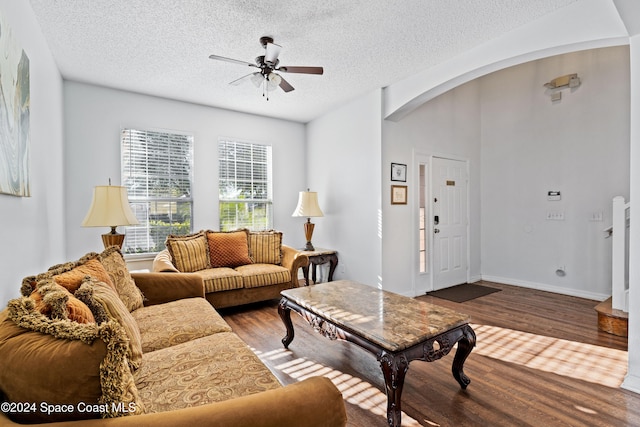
420,157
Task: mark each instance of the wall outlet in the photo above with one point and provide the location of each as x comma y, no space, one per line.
596,216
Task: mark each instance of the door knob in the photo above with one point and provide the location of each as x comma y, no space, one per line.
436,230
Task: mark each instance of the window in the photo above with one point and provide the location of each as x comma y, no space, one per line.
156,170
422,226
245,186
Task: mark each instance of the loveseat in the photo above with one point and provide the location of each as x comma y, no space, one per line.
237,267
91,344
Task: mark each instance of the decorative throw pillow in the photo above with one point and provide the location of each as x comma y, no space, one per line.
228,248
190,252
85,294
56,302
265,247
70,274
116,267
66,363
116,310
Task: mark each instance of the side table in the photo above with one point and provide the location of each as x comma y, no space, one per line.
318,257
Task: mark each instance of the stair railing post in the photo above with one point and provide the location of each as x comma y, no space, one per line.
618,255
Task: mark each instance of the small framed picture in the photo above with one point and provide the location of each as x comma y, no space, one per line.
398,194
398,172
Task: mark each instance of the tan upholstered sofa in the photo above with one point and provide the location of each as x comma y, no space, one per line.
90,344
237,267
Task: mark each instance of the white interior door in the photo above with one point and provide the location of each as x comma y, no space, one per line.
450,220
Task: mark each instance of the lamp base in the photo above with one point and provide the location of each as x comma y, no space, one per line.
308,233
113,239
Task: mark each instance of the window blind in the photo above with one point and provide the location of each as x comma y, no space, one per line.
156,170
245,185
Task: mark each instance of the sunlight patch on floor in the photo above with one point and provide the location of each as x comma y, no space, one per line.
586,362
354,390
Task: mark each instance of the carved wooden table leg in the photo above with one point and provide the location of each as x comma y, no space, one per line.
285,314
446,328
394,369
465,345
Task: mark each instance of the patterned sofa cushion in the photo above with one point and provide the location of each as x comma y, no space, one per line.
220,279
176,322
103,294
228,248
126,288
256,275
210,369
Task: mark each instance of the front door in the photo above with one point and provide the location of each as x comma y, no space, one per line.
450,219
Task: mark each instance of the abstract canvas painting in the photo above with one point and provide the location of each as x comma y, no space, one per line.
14,115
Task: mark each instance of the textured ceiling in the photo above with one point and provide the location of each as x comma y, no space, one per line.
161,47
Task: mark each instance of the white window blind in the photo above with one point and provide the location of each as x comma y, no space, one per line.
245,185
156,170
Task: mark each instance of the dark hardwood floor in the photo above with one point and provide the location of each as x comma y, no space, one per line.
539,361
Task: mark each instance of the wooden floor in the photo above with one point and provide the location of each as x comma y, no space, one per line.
539,361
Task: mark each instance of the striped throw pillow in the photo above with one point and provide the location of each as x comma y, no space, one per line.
189,253
265,247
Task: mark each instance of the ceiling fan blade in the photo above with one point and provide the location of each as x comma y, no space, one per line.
285,86
235,61
273,50
236,82
301,70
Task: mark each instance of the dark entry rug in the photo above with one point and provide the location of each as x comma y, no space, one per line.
464,292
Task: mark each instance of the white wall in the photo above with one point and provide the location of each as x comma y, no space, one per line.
448,126
32,227
519,146
343,166
94,117
579,146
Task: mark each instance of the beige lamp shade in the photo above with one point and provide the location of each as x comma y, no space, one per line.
110,208
308,207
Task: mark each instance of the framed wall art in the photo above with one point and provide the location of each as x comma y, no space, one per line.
398,172
14,120
398,194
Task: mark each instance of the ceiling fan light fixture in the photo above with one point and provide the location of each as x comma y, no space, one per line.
275,79
272,52
257,79
271,88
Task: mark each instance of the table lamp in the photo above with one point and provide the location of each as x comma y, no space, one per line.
110,208
308,207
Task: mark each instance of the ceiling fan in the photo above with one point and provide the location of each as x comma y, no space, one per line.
267,64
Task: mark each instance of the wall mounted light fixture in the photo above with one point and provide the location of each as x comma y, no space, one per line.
570,80
566,81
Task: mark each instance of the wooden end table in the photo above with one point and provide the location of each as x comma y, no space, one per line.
318,257
394,328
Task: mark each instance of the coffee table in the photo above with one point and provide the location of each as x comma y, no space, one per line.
394,328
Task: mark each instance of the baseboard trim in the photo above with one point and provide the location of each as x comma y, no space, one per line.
474,279
547,288
631,383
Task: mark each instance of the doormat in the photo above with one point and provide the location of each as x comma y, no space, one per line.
463,293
